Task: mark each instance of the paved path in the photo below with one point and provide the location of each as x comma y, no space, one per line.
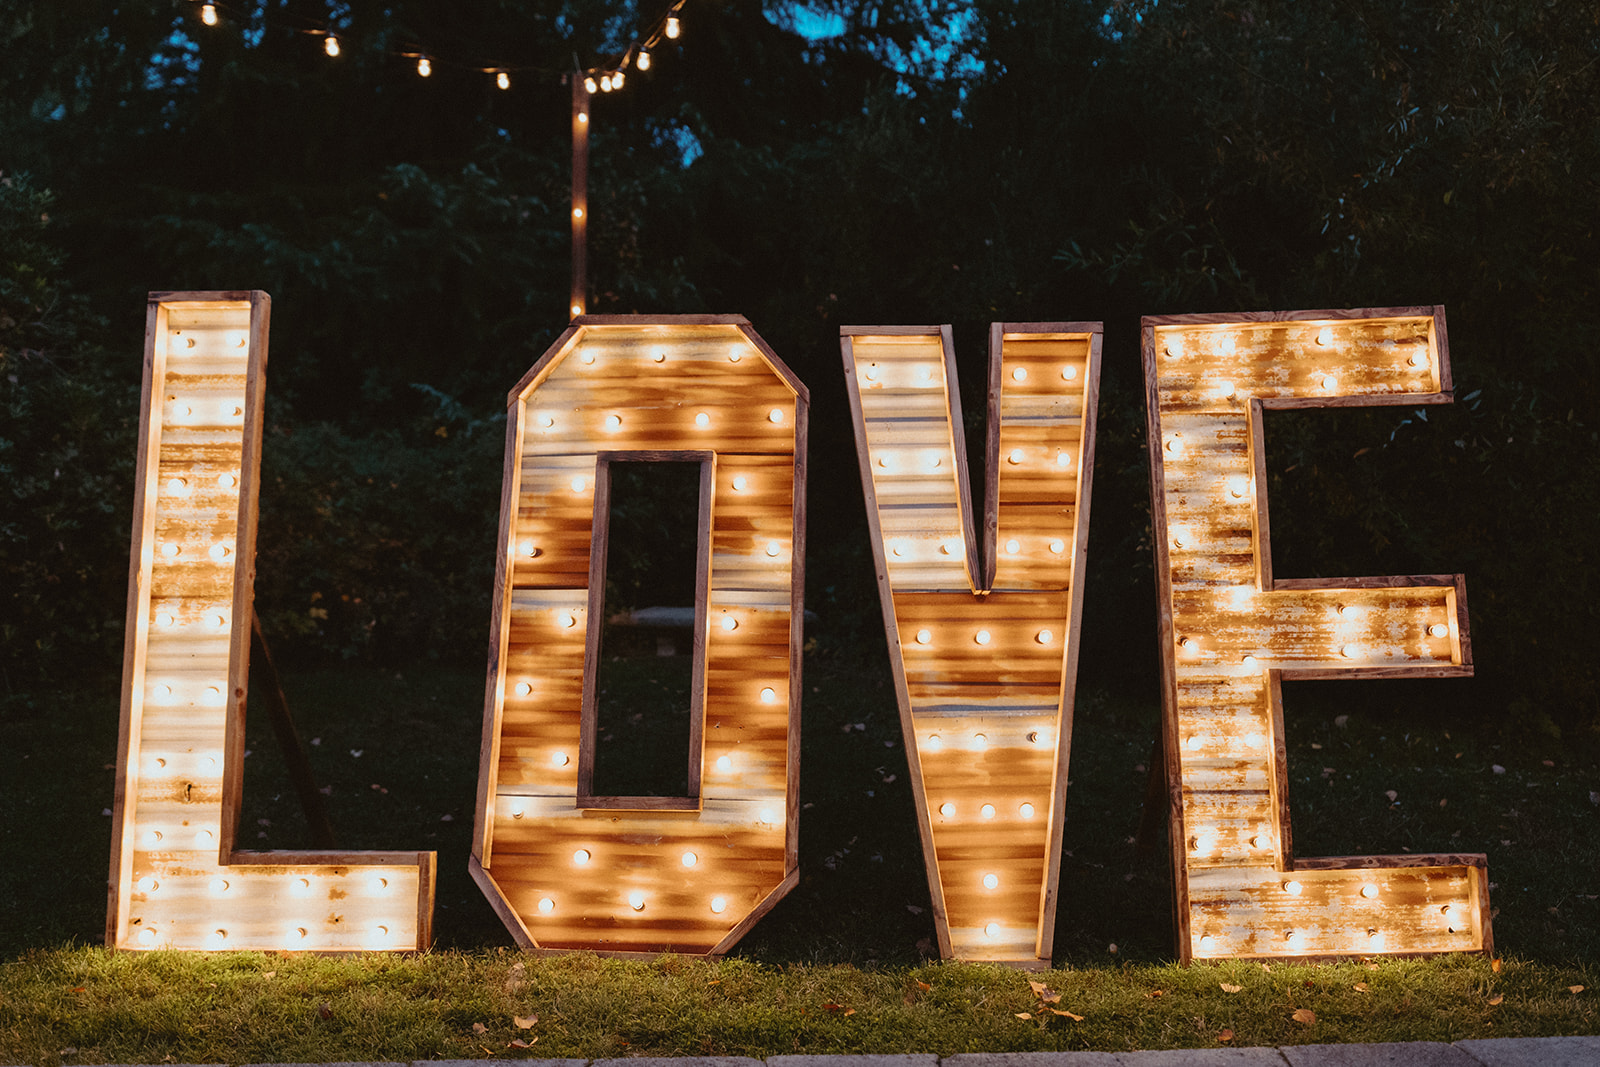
1496,1052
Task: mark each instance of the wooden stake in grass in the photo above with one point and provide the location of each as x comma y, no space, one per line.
1231,633
984,646
566,868
177,881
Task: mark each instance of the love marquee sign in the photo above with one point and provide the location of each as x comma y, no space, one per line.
982,624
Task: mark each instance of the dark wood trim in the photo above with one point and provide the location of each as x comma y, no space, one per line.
797,622
502,907
748,923
582,119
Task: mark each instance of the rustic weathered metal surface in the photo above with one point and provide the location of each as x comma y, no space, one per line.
984,647
176,881
622,875
1231,632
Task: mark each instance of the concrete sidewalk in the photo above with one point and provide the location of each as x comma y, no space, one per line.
1496,1052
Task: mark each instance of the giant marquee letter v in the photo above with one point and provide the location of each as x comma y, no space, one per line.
984,648
1230,633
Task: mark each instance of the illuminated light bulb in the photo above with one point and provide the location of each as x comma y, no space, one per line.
658,355
1205,843
740,484
1013,546
1438,629
1260,841
924,636
591,87
1015,456
1063,459
1375,940
724,763
690,859
1180,536
1227,390
148,884
578,484
185,409
766,815
991,881
982,637
935,743
1174,347
159,762
871,373
147,936
980,742
220,551
219,885
208,15
217,619
1020,374
577,309
1207,943
380,933
719,905
152,838
580,857
735,354
605,83
522,689
209,763
204,838
1297,941
1325,336
643,60
163,692
1069,372
1238,486
569,620
559,759
212,696
165,618
424,67
1058,546
583,118
170,550
1175,444
217,939
987,811
1044,637
1255,740
951,548
227,481
177,487
503,80
883,461
546,905
577,212
1347,651
636,900
586,357
947,809
1292,888
517,812
1250,663
330,45
772,548
613,422
1328,383
617,80
673,27
529,549
1026,811
1369,891
775,416
702,420
1193,744
1419,358
992,930
298,933
1189,645
300,887
769,696
924,374
1229,346
730,623
935,460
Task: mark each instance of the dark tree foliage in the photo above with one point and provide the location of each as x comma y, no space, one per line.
934,162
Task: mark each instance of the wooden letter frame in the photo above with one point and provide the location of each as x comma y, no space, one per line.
1231,633
984,648
624,876
177,879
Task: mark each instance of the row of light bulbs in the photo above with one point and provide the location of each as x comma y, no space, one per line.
926,373
609,80
298,933
987,811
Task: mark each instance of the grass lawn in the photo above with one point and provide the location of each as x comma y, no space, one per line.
844,963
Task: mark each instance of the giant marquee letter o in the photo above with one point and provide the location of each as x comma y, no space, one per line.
1230,633
620,875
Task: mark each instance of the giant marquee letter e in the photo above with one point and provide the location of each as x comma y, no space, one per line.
1230,633
984,648
566,869
176,880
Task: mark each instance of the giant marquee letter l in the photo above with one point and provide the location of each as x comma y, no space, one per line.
1230,633
984,649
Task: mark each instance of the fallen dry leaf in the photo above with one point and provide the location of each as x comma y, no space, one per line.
1305,1016
1574,989
1024,1014
269,974
1361,987
831,1006
517,1042
1392,795
1495,965
849,1011
1068,1014
1497,999
715,981
525,1022
1226,988
479,1028
1045,994
1226,1035
1156,993
924,986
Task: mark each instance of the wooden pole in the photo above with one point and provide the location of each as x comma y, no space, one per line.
270,689
580,195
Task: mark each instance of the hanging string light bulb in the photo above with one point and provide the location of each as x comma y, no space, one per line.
643,62
503,80
673,27
605,83
616,80
331,46
591,86
208,14
424,67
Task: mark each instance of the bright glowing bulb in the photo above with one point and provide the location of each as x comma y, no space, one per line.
208,15
165,618
1250,663
766,816
217,619
1180,536
724,763
643,62
1419,358
636,900
517,812
605,83
992,930
163,692
208,763
1297,941
1044,637
546,905
1069,372
1325,336
424,68
1207,943
735,354
690,859
1369,891
935,743
212,696
577,309
503,80
177,487
1020,374
658,355
219,885
740,484
1174,347
583,118
987,811
719,905
580,857
559,759
152,838
330,45
1227,390
1193,744
613,422
769,696
1229,346
298,933
673,27
871,373
982,637
991,881
1205,843
1026,811
170,550
772,548
1015,456
1347,651
1255,740
934,459
1238,486
883,461
522,689
1261,841
1375,940
924,374
586,356
1438,629
577,484
1013,546
775,416
951,548
1328,383
980,742
947,809
1175,445
220,551
702,420
300,887
1058,546
730,623
148,884
577,212
924,636
147,936
204,838
1189,645
1292,888
227,481
591,87
1063,459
